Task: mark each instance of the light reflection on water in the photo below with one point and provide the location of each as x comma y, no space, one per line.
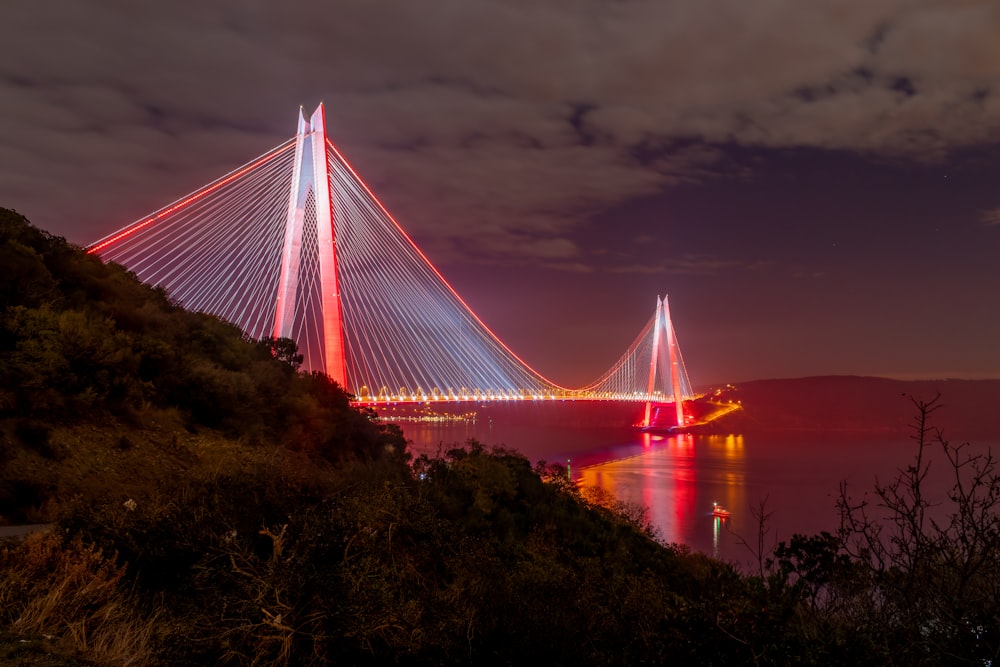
678,477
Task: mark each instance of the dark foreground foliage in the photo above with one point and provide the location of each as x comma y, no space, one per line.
479,561
213,506
82,341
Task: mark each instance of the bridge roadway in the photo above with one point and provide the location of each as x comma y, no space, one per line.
366,400
697,411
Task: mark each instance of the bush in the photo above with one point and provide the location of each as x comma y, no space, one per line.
76,592
37,436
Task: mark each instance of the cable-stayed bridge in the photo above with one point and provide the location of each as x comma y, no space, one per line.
294,244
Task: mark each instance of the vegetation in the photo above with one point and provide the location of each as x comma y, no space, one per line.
211,505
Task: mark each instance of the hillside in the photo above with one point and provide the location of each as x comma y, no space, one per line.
212,505
102,376
852,404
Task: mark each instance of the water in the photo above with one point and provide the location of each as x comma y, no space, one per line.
796,478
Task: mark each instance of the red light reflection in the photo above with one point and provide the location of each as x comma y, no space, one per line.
677,478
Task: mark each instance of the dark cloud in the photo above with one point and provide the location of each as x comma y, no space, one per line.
519,115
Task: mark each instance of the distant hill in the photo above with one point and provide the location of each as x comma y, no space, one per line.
969,408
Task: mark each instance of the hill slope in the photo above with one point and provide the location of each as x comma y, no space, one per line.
969,408
213,506
86,350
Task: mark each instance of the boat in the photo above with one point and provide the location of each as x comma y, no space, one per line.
719,511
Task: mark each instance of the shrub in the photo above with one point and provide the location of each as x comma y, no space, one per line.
74,591
37,436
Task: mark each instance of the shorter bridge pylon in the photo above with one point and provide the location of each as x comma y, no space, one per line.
651,370
667,361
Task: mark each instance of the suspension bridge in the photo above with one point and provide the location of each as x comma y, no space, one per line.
295,245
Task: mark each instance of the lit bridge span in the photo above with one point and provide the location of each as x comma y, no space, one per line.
294,244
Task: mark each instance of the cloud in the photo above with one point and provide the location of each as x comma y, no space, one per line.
691,264
494,129
990,217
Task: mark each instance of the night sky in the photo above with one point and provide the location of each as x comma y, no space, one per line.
814,184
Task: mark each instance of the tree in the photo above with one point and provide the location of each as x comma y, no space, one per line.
933,564
283,349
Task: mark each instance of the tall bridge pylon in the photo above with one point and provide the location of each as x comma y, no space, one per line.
310,193
295,244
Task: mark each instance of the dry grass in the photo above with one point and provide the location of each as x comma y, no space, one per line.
73,591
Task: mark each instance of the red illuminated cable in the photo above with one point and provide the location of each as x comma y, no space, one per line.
190,198
433,268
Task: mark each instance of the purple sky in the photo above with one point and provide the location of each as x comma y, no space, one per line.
813,183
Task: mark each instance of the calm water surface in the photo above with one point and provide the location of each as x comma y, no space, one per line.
678,477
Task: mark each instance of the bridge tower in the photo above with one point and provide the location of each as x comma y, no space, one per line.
674,360
666,361
310,202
